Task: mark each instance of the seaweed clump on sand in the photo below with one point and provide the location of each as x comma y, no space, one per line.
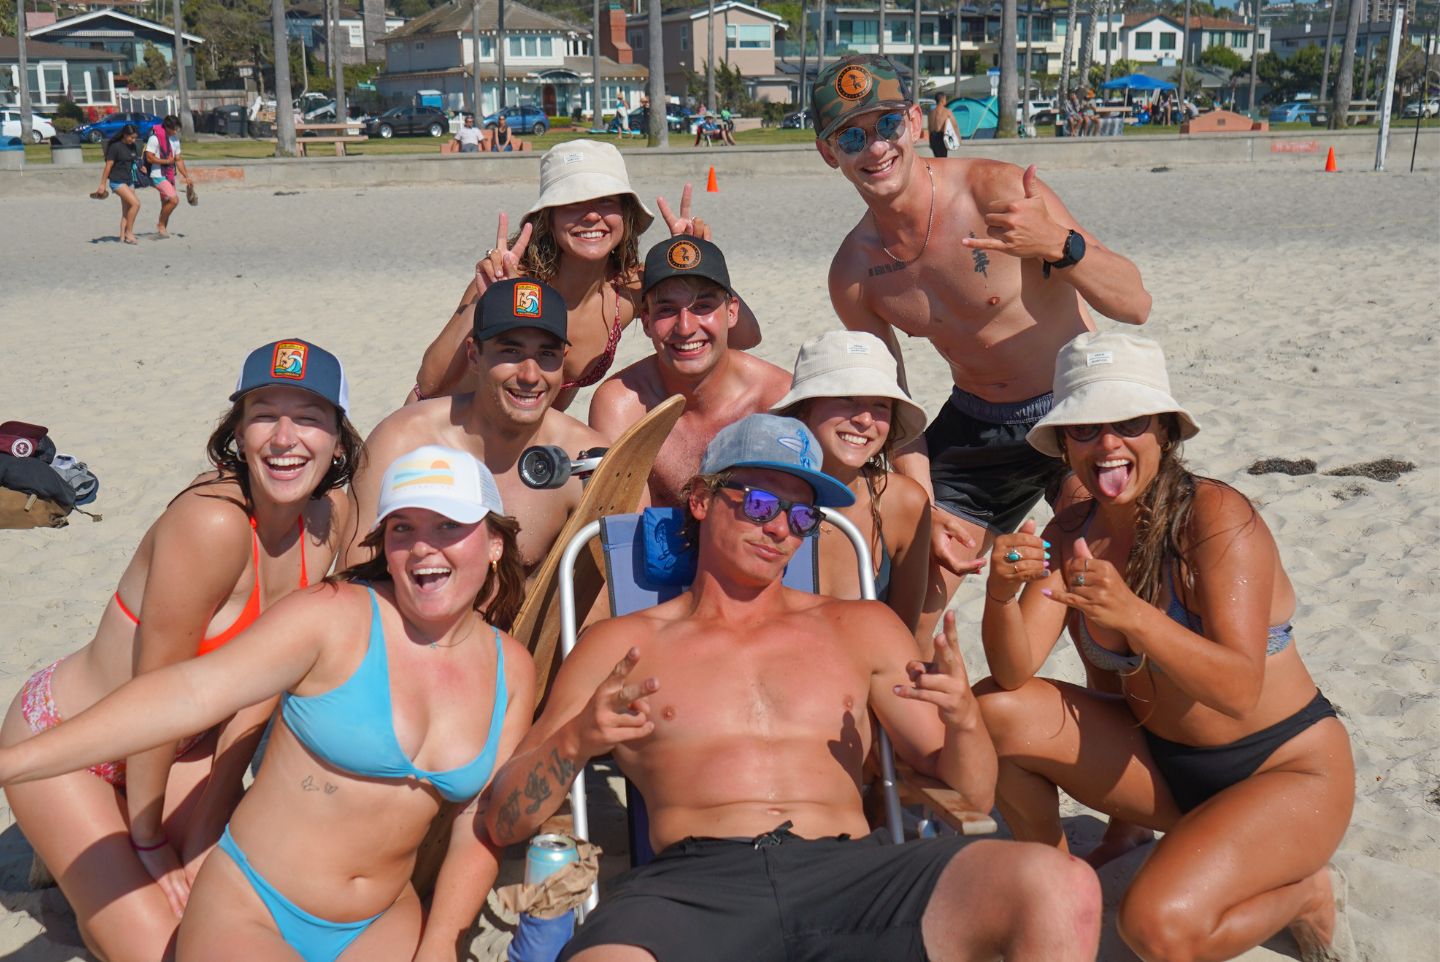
1282,466
1384,469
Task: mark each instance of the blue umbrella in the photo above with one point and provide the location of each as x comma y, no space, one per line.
1137,81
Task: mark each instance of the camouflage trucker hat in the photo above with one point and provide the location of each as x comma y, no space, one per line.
855,85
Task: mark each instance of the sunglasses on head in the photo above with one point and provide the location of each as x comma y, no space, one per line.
852,140
1128,428
760,506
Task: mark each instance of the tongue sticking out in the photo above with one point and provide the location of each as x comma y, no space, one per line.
1111,481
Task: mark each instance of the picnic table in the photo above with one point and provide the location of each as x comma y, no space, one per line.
337,134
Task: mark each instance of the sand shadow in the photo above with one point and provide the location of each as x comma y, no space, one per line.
59,937
107,239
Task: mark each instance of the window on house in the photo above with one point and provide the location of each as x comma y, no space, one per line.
637,40
1167,41
1107,41
899,31
487,48
357,35
1144,40
927,31
747,36
684,39
1239,40
419,45
1260,43
854,32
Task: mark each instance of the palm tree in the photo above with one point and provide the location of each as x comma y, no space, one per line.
1255,56
1345,82
1070,8
1087,44
915,55
284,115
659,132
1329,43
1008,99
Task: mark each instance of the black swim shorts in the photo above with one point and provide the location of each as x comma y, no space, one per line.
779,898
981,466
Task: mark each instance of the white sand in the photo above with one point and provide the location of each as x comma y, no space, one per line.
1297,310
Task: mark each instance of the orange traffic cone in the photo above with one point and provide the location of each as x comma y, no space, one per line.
713,188
1330,167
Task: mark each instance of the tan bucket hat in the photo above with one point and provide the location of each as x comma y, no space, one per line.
579,170
1101,378
852,364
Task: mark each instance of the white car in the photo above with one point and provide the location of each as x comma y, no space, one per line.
41,129
1422,108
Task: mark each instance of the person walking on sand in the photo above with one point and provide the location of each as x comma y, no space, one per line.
121,174
983,260
162,154
943,129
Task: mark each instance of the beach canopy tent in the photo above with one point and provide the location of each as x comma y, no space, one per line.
975,118
1137,81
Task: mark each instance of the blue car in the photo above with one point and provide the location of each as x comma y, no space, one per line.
110,126
522,120
1293,112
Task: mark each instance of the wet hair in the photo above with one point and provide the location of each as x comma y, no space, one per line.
542,256
499,598
122,133
230,465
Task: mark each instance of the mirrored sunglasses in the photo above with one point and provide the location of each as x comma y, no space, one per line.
852,140
760,506
1128,428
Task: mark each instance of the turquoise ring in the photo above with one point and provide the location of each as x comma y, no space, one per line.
1013,556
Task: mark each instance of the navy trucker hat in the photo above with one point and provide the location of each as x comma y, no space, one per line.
295,363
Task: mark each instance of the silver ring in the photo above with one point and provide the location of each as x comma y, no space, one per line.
1084,565
1080,580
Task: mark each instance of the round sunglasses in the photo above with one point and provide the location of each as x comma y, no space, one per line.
852,140
1128,428
760,506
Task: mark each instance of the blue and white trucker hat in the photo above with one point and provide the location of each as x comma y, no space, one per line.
775,444
295,363
449,482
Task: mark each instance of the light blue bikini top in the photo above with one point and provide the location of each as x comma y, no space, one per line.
352,726
1277,638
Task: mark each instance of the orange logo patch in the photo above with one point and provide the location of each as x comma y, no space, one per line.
854,82
527,300
683,256
289,360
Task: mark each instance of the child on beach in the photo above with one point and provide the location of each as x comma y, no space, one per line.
121,174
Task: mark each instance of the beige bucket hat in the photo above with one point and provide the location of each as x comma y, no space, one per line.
579,170
1101,378
852,364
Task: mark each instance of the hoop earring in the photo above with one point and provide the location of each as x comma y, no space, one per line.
338,461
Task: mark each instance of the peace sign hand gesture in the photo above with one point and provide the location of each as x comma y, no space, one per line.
618,712
501,261
1098,591
1023,227
685,223
944,682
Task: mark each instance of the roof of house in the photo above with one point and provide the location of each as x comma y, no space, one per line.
577,66
454,17
124,18
1196,22
40,50
701,12
315,10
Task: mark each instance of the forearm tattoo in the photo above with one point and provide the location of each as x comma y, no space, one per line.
561,769
509,814
537,789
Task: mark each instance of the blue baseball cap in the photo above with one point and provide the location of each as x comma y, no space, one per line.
295,363
775,444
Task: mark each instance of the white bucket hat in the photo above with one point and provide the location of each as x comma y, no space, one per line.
1101,378
852,364
580,170
449,482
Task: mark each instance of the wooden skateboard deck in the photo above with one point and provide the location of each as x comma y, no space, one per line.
615,487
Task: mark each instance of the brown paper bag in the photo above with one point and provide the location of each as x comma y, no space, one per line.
559,893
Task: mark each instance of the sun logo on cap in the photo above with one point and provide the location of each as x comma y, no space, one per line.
420,471
683,256
854,82
289,360
527,300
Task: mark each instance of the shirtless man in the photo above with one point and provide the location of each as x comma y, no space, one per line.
940,115
741,710
517,349
688,309
984,261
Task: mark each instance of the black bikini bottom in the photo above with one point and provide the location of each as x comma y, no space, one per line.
1195,774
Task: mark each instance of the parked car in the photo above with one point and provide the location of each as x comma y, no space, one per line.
402,121
522,119
681,120
109,126
797,120
1293,112
1422,108
41,129
1042,112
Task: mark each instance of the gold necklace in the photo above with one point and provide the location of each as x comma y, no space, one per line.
929,225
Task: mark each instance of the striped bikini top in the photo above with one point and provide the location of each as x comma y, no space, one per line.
251,611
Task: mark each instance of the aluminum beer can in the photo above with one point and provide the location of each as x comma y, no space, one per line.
547,855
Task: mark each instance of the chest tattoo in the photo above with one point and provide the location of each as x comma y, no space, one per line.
880,269
982,261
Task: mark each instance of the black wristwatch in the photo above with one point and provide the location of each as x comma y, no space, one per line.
1074,253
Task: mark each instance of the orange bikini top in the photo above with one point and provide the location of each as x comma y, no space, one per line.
251,610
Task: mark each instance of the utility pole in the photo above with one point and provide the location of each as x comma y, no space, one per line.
284,115
1110,38
1185,57
182,95
1329,42
1255,57
710,57
1387,100
26,123
475,88
659,128
337,65
597,104
803,62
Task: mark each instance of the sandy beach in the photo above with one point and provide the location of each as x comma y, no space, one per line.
1297,310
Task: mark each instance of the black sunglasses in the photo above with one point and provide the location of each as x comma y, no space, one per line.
852,140
760,506
1128,428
